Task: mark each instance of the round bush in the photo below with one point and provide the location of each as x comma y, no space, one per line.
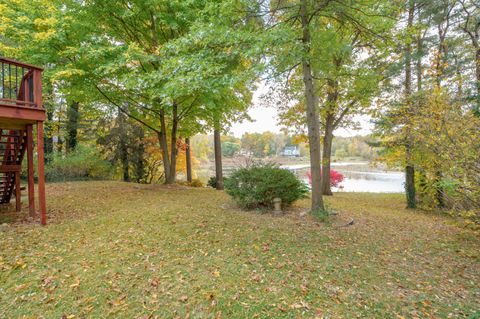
256,187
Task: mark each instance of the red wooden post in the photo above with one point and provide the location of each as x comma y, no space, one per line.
37,89
30,172
26,91
18,193
41,174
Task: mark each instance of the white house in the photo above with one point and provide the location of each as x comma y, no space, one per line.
291,151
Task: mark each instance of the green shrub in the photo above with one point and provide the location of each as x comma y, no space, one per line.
212,181
84,163
257,186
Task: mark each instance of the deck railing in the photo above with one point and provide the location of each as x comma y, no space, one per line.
20,84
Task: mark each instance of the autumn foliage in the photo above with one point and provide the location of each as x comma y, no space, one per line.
335,178
154,159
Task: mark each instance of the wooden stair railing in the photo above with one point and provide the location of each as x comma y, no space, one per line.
17,83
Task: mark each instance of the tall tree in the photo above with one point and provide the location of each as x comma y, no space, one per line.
311,101
442,20
346,70
470,25
408,113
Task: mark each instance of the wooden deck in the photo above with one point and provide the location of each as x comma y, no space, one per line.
21,110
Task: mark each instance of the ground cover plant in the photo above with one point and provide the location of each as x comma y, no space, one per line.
122,250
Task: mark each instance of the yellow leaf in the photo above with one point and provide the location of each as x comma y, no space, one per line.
75,284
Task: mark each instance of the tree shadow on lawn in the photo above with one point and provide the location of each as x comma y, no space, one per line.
297,213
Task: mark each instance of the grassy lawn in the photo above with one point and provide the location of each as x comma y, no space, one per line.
121,250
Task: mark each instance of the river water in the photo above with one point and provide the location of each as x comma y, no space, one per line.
360,177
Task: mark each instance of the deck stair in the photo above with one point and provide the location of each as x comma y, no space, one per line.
13,145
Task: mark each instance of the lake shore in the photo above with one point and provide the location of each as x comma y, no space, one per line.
359,177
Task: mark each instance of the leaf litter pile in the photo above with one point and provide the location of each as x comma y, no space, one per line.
117,250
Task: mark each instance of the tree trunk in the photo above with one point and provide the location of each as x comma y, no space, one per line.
474,35
72,125
327,155
173,146
419,66
422,178
477,71
188,157
440,68
409,168
218,157
331,107
123,147
162,139
312,112
125,164
139,158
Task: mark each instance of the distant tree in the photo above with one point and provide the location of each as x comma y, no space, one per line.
230,149
202,147
263,144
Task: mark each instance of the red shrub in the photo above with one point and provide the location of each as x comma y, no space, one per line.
335,178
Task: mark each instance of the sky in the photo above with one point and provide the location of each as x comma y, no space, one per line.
266,119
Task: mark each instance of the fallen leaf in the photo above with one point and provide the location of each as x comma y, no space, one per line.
76,284
154,282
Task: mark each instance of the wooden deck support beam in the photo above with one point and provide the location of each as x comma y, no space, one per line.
37,79
18,192
10,168
41,175
30,172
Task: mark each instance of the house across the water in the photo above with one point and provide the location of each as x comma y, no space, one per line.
291,151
